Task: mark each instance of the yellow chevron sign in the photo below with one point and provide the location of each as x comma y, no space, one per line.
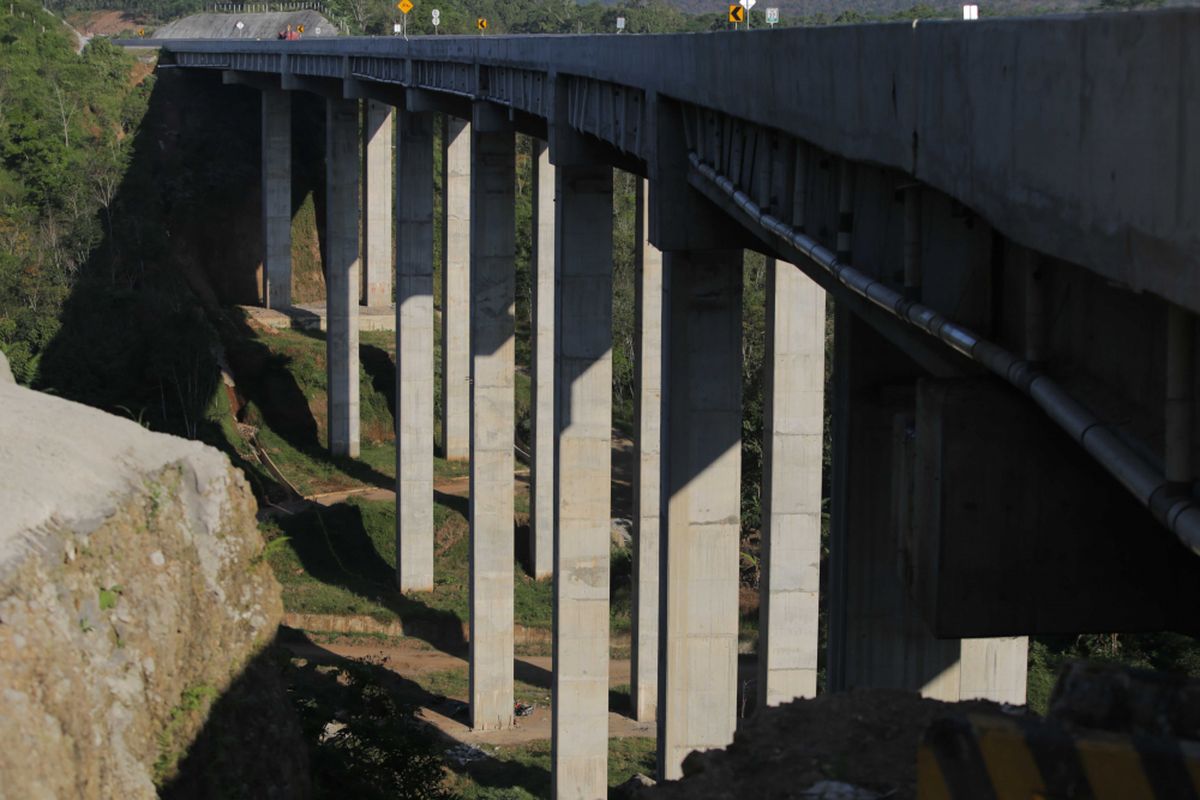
481,23
737,13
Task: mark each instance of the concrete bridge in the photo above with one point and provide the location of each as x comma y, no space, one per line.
1006,215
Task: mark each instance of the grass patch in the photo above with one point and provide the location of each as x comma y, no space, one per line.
341,560
523,772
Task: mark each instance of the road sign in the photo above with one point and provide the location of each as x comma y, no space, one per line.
737,14
396,28
317,31
300,29
141,32
481,24
772,16
437,17
405,6
620,23
747,4
240,25
971,12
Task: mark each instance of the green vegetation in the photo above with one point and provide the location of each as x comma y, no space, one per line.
66,131
185,717
523,772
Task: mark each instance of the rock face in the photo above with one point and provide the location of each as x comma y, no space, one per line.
132,594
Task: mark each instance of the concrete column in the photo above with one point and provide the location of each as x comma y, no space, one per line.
341,274
541,484
414,352
647,483
277,197
377,204
994,669
699,568
582,480
793,426
493,303
456,288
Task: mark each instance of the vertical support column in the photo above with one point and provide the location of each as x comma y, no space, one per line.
456,288
582,479
647,479
541,484
493,302
414,352
699,566
277,197
791,508
377,203
1180,405
341,274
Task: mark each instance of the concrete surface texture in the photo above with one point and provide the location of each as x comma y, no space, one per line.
972,110
277,197
342,274
493,343
648,311
377,193
414,352
583,233
123,554
541,483
698,663
793,433
456,286
264,26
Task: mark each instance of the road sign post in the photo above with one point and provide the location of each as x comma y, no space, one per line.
747,4
437,20
772,16
620,24
481,24
737,13
405,6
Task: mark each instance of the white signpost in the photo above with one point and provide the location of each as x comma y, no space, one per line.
747,4
396,28
620,24
772,16
437,20
971,12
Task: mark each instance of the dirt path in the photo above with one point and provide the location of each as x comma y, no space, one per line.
409,661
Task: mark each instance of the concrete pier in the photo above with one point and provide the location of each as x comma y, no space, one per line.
377,203
582,480
698,657
414,352
541,483
492,418
342,274
277,198
647,480
456,288
793,427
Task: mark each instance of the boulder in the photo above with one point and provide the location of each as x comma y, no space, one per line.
133,593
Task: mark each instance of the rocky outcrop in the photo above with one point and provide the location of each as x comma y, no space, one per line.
133,593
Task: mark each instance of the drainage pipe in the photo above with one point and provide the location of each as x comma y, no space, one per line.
1178,513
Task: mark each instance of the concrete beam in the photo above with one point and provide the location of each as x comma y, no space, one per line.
490,118
456,288
342,274
451,104
263,81
541,483
699,637
377,203
493,305
328,88
389,94
414,352
647,480
583,480
793,438
277,198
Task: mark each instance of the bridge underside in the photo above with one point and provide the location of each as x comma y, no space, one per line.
1014,366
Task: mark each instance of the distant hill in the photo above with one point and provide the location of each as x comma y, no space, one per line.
830,9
